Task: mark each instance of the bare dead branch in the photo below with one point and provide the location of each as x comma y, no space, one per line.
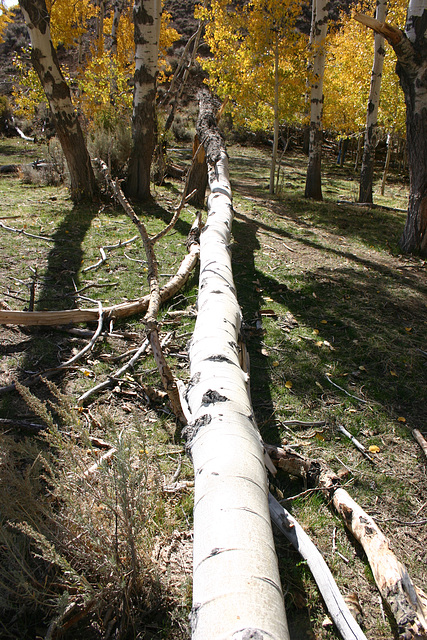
407,602
112,380
390,32
65,365
421,440
335,603
25,233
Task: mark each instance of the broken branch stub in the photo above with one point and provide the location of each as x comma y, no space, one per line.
236,585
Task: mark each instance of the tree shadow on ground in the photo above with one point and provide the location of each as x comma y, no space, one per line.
372,318
55,290
249,294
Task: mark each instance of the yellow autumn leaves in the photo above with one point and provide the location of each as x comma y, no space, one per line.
103,79
242,65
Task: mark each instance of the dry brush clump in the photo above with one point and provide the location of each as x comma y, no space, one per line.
77,536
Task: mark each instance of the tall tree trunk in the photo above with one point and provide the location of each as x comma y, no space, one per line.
313,184
368,158
146,16
68,130
276,114
236,586
386,163
118,10
411,51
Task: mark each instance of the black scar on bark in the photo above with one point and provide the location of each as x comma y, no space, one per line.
211,396
220,358
249,634
190,431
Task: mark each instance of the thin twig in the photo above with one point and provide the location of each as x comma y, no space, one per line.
105,456
25,233
346,392
112,379
356,443
109,247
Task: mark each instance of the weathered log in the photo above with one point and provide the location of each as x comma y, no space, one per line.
123,310
236,585
334,601
406,601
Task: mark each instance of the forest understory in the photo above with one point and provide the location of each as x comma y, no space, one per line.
97,509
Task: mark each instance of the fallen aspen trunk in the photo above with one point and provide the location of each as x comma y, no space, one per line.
123,310
236,585
334,601
406,601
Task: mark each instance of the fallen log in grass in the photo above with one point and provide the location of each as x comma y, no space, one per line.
334,601
407,602
236,584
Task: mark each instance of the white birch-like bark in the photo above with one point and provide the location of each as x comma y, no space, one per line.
147,21
313,186
368,159
236,585
68,130
276,113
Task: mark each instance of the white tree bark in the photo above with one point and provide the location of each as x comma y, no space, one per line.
313,187
367,171
68,130
276,114
147,21
236,585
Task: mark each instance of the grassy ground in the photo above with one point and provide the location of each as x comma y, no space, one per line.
335,324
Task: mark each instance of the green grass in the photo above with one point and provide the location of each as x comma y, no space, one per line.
358,317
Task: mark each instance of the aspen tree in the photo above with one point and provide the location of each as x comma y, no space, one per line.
410,47
45,62
236,586
146,16
313,184
368,158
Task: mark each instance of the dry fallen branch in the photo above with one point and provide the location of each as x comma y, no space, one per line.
102,251
65,365
334,601
407,602
123,310
356,443
150,318
344,391
112,380
421,440
25,233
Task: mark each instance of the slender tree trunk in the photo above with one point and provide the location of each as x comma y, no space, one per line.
236,586
411,51
276,114
368,158
386,163
146,15
118,10
313,185
68,130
